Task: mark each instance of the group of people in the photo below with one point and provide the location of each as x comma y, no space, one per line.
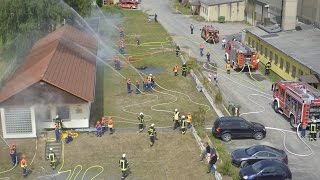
15,159
181,121
148,84
184,69
103,126
313,129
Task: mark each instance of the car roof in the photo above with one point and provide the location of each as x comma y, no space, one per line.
230,118
268,148
272,162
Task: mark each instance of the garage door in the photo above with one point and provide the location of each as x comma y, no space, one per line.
18,120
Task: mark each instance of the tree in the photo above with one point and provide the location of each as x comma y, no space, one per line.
99,3
83,7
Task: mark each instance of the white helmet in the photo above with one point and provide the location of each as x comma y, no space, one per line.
50,149
150,74
57,116
176,110
152,125
141,113
123,155
182,117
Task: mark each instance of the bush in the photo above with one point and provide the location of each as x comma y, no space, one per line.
112,8
218,97
199,117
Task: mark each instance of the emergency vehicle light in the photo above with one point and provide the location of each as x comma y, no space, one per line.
315,102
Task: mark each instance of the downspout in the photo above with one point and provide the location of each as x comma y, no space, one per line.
281,13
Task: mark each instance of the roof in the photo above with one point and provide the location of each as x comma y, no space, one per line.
241,47
303,46
309,78
61,59
216,2
302,89
194,2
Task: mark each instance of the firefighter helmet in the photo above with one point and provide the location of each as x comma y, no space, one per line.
176,110
123,155
57,116
183,117
152,125
51,149
141,113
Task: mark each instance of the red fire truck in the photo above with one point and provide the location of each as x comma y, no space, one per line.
210,34
298,101
241,55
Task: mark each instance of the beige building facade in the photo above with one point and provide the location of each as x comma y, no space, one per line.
309,12
232,10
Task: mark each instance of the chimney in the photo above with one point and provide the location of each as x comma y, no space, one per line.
289,14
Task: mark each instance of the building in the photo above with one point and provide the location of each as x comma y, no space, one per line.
309,12
231,10
293,54
56,77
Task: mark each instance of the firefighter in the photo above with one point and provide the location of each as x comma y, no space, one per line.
99,129
52,158
69,137
184,69
313,130
183,124
124,166
129,85
208,57
23,165
121,32
177,50
268,67
176,118
201,49
138,41
191,28
150,80
58,121
141,121
57,133
137,87
228,67
215,77
103,124
189,120
117,65
175,70
110,124
13,154
121,47
152,134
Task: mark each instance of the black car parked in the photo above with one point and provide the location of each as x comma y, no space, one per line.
236,127
266,170
243,157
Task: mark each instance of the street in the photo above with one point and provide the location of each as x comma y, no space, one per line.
250,91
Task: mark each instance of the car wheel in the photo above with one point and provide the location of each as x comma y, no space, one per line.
275,107
258,136
292,122
226,137
244,164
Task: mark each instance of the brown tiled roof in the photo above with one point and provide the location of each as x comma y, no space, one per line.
64,58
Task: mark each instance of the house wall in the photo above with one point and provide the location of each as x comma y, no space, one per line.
231,11
309,12
204,12
285,66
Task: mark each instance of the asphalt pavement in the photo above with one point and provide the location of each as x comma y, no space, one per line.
249,90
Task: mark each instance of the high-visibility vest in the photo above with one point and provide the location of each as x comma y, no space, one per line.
313,128
176,116
140,118
23,163
151,131
268,66
189,118
52,157
228,66
175,69
123,164
183,124
149,78
184,68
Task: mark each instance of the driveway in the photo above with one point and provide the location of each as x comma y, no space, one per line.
249,90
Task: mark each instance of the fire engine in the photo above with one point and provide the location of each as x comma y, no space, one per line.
298,101
241,55
210,34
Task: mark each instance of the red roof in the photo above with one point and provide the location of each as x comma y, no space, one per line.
64,58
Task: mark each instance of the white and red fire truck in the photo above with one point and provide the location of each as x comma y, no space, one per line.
241,55
298,101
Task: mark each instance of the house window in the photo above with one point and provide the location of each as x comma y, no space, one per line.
281,63
249,40
300,72
293,73
261,49
257,46
276,59
63,112
287,67
266,52
271,56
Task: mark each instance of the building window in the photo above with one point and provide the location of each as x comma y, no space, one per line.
63,112
281,63
266,52
253,43
287,67
276,59
293,73
257,46
261,49
249,40
271,56
300,72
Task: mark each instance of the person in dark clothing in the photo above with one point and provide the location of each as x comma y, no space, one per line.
191,28
184,70
152,134
268,67
212,161
206,151
177,50
124,166
208,57
155,17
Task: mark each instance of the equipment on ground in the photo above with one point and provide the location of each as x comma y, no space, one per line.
241,55
298,101
210,34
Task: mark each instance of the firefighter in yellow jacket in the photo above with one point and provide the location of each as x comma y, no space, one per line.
183,124
228,67
176,119
124,166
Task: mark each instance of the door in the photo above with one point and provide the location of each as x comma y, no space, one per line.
245,129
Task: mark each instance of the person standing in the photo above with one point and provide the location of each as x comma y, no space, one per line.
155,17
212,161
184,70
191,28
313,130
59,121
215,77
208,57
137,87
141,121
129,85
176,118
268,67
13,154
52,158
175,70
124,166
99,129
228,67
145,85
303,129
103,124
177,50
23,165
201,49
183,125
189,120
152,134
206,151
57,133
110,124
223,43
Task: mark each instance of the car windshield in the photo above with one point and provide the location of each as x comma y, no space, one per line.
251,150
257,167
